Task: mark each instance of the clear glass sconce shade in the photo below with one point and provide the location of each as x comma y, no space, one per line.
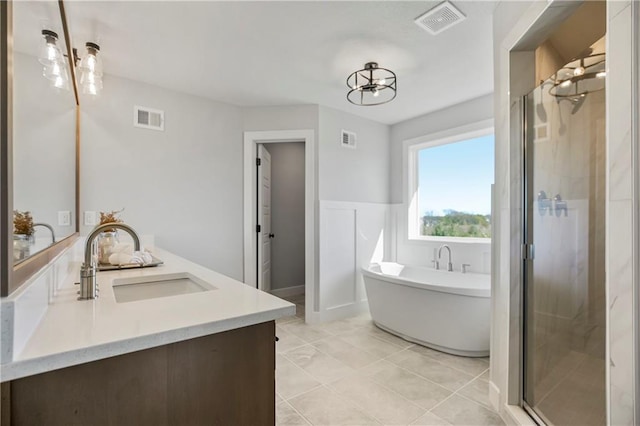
62,81
91,70
92,62
49,52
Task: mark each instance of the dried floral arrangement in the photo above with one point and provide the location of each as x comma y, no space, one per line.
110,217
22,223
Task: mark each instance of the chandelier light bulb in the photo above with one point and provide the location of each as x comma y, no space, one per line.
601,74
382,81
578,71
566,83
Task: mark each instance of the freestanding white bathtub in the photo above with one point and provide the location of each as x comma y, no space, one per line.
447,311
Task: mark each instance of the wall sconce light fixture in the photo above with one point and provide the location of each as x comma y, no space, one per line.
55,65
371,85
91,70
53,61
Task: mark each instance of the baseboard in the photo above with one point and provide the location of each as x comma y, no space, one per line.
338,312
288,291
494,396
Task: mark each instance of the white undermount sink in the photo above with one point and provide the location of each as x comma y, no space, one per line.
155,286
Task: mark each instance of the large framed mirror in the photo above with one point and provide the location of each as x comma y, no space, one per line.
43,138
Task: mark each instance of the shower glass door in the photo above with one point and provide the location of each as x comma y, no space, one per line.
564,288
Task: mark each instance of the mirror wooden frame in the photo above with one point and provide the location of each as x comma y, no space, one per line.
12,277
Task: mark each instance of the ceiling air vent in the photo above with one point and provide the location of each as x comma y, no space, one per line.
348,139
148,118
443,16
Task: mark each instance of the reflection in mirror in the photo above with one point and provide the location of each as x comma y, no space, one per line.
44,126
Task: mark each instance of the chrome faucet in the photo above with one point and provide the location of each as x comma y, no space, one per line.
50,228
88,283
449,265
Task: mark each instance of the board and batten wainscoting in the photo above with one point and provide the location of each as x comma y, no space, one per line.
352,235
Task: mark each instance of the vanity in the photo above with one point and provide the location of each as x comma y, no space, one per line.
203,355
176,344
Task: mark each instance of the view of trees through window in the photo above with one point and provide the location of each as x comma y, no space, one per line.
454,188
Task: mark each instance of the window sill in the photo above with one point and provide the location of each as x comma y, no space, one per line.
457,240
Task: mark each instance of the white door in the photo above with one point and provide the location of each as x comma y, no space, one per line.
264,219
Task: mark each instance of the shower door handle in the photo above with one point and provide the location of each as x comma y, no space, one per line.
528,252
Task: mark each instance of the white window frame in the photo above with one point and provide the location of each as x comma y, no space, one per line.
411,147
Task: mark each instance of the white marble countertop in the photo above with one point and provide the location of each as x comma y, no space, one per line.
73,332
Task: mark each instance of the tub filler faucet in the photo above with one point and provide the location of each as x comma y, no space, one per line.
88,284
449,264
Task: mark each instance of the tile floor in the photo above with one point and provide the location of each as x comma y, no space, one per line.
349,372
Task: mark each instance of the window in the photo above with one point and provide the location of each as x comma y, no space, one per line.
452,193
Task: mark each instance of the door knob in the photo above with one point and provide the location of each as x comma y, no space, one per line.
272,235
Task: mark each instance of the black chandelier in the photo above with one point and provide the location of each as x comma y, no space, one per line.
371,85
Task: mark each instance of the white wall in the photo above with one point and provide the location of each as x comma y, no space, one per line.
293,117
360,174
44,148
287,214
183,185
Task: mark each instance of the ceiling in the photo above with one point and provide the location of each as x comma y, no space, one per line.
267,53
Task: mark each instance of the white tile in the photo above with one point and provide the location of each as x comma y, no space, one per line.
478,391
460,411
472,366
286,415
323,407
615,7
620,280
292,380
387,337
376,400
431,369
308,333
287,341
370,344
430,419
619,117
351,355
414,388
321,366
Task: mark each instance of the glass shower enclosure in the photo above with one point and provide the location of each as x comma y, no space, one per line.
564,224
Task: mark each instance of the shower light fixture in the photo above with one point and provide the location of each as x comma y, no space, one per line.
580,77
371,85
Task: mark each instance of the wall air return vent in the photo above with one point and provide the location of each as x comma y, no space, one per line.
148,118
348,139
442,17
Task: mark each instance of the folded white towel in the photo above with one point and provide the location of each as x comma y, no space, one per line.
123,248
123,258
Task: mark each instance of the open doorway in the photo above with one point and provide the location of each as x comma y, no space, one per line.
280,194
279,216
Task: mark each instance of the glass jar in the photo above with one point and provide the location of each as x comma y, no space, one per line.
22,246
106,242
